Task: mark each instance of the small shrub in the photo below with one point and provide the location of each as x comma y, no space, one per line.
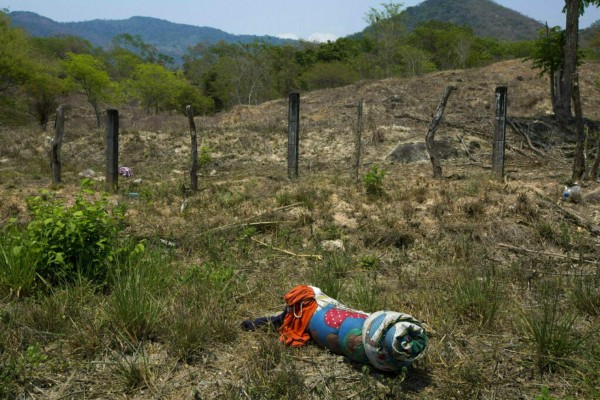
373,181
547,232
205,156
524,207
370,262
477,299
192,323
551,331
17,269
329,277
474,209
586,295
73,240
283,198
365,295
133,371
271,375
134,307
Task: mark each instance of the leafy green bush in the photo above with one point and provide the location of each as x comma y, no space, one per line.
64,241
374,181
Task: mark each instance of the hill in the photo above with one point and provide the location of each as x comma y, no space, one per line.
485,17
169,38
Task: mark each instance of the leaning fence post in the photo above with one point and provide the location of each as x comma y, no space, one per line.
293,134
358,138
59,131
194,138
112,149
499,132
430,136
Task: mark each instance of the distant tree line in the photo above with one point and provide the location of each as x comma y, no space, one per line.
36,72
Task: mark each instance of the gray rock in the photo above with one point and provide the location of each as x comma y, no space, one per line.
87,173
413,152
333,245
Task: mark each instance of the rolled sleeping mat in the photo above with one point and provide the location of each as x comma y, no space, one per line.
393,340
339,329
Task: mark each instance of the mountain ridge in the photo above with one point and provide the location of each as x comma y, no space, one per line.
486,17
170,38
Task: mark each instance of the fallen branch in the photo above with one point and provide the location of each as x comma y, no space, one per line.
517,129
573,217
573,257
245,224
463,128
264,223
317,256
466,149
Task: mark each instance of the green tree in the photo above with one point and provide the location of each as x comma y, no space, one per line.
60,46
232,73
89,74
386,30
127,51
416,61
548,57
191,95
451,46
155,87
329,75
43,90
573,9
121,63
16,67
284,69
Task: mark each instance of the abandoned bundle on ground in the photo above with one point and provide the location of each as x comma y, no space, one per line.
388,340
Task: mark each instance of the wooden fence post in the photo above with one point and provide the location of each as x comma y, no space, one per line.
358,138
112,149
499,132
59,131
579,159
430,137
293,134
194,138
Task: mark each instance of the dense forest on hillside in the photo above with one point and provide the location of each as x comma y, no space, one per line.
37,71
485,17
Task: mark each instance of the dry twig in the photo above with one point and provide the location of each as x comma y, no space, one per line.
317,256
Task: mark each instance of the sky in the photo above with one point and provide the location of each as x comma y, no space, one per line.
314,20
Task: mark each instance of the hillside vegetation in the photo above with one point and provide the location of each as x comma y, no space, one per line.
485,17
504,274
170,38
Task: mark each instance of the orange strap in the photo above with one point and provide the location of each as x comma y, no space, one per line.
301,307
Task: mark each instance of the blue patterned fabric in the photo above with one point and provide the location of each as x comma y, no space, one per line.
339,330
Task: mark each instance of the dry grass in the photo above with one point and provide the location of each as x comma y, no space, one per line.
469,255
